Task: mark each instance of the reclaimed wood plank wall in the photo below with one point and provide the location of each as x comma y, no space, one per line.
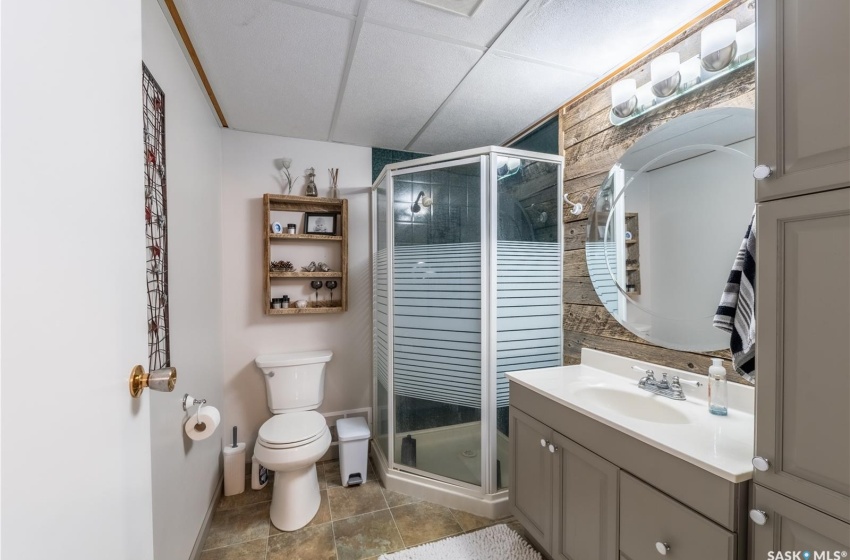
591,145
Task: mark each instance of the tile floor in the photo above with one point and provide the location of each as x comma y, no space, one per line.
354,523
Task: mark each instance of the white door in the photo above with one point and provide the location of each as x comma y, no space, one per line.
76,480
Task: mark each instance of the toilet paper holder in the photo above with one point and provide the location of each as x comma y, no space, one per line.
189,400
158,380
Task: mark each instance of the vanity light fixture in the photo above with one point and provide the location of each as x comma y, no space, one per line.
723,50
665,75
717,45
624,97
506,167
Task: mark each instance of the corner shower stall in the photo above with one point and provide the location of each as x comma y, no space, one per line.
467,259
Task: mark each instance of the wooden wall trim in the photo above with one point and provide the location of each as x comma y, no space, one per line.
591,145
193,55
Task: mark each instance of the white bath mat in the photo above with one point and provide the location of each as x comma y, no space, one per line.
493,543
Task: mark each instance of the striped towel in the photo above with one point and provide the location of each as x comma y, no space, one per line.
736,313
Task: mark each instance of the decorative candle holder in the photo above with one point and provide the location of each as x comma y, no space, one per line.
334,173
331,285
316,285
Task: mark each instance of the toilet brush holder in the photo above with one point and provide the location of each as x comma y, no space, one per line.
234,469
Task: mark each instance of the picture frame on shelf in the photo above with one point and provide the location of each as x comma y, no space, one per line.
320,223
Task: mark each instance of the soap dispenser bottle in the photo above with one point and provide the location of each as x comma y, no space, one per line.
717,393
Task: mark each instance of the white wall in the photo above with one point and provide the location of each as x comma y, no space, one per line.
76,479
699,248
186,473
247,173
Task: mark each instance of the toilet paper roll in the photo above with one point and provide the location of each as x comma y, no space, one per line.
234,469
201,426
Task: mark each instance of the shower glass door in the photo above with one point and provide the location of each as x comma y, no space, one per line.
526,261
437,319
380,319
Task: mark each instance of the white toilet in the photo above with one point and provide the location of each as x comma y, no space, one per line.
291,441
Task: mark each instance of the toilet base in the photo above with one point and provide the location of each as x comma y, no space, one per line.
295,498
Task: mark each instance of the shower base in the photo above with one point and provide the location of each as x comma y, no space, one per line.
451,452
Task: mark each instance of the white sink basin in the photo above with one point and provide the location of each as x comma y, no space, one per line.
604,387
647,407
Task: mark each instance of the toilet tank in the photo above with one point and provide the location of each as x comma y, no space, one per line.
294,381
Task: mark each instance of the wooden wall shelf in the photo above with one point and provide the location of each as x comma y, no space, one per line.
301,204
303,237
305,274
633,253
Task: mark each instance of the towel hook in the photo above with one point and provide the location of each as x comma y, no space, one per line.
577,207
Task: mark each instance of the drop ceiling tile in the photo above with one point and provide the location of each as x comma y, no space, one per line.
275,68
480,29
347,7
595,35
397,81
499,98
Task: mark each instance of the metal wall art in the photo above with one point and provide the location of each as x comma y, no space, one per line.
156,232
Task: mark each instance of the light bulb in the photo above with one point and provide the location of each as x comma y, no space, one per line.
664,74
717,44
624,97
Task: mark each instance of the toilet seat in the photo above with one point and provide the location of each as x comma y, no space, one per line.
295,429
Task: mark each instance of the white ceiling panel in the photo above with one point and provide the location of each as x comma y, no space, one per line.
487,21
275,68
595,35
347,7
397,81
500,97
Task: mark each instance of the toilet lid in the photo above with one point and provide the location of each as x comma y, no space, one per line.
292,428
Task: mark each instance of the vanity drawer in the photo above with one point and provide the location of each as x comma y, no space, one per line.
648,517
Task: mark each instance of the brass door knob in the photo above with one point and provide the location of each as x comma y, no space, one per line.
158,380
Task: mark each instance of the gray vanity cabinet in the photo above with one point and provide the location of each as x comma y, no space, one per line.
590,492
803,345
803,89
585,517
650,519
791,526
531,495
801,498
564,495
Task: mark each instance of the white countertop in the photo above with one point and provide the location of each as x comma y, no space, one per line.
722,445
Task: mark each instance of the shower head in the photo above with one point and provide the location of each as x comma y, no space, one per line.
426,202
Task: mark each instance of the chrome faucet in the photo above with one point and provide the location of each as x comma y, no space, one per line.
670,389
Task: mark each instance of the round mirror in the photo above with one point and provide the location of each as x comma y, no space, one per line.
667,225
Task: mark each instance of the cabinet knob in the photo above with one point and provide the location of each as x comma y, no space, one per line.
761,464
543,443
552,448
663,548
762,172
758,516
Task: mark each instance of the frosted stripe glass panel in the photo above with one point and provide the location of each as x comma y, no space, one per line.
381,333
437,323
528,310
598,263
